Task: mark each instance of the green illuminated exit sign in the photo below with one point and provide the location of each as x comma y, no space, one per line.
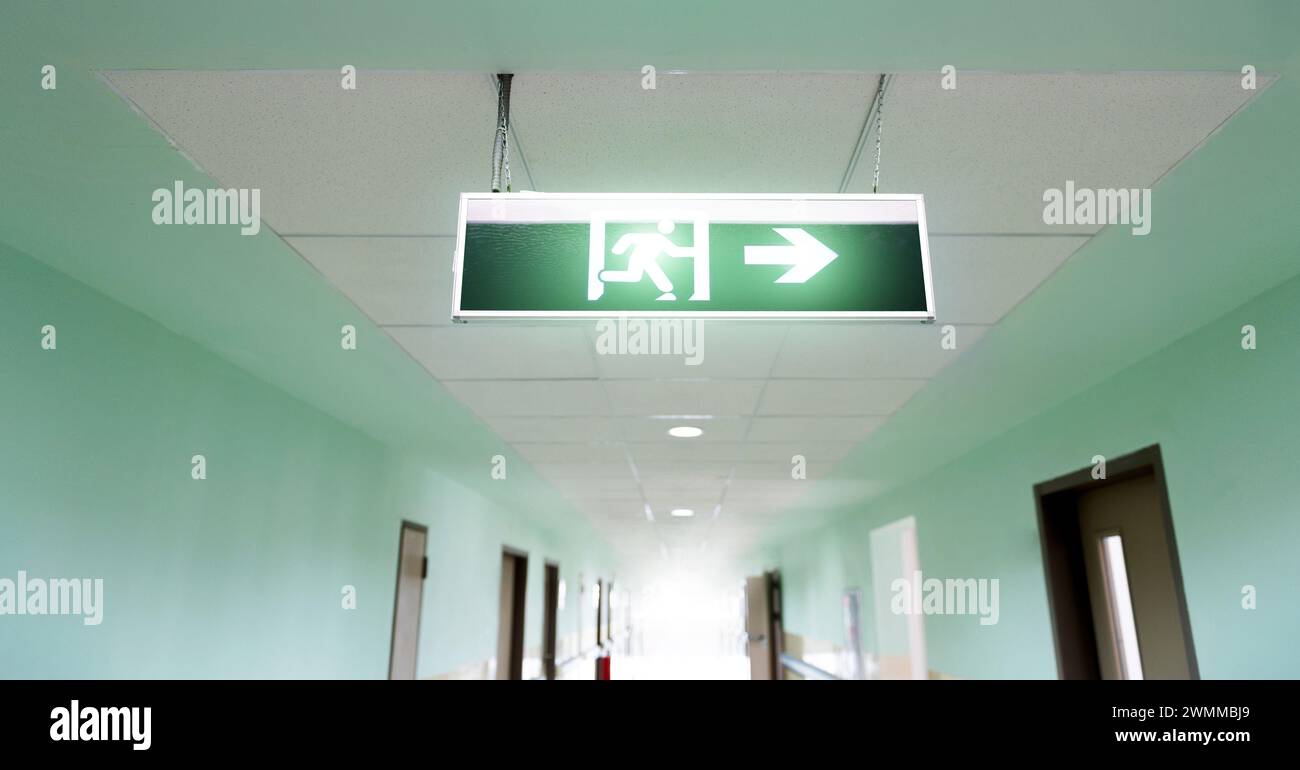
555,255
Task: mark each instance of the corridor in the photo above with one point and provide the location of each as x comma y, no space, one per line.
596,341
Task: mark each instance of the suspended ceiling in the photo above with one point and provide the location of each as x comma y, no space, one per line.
364,186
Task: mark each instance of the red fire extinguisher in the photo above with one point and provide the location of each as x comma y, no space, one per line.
602,667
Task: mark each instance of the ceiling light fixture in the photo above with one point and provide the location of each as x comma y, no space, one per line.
685,431
683,513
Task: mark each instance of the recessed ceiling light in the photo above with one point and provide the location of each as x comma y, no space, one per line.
685,431
683,513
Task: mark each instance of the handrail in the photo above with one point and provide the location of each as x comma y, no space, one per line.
575,658
804,668
572,659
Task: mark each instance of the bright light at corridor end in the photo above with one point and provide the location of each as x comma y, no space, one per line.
683,513
685,431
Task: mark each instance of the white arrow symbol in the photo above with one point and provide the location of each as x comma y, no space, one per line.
807,255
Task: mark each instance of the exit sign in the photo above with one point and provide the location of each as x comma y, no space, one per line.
557,255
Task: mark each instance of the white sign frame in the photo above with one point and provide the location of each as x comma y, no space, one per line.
641,201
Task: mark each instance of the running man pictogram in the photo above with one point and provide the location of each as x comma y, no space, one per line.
644,259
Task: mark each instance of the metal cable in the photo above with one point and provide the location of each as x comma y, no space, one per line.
880,109
505,158
500,144
850,171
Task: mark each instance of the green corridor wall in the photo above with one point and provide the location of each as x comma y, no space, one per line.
1228,424
241,574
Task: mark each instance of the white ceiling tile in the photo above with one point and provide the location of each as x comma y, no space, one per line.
625,488
766,492
573,429
685,472
567,451
722,350
392,280
678,488
700,501
515,398
644,429
762,495
748,511
391,157
839,428
753,512
870,350
984,152
628,509
567,471
486,351
979,279
684,397
693,133
683,451
782,452
837,397
782,469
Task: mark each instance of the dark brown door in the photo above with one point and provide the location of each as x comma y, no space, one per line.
763,625
510,633
549,615
1113,577
1131,584
600,611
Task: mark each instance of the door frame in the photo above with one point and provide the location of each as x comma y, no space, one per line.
1064,573
899,537
518,611
550,617
600,610
397,588
776,620
773,630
